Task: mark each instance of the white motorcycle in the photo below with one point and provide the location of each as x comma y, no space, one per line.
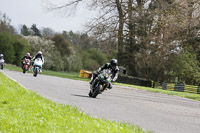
37,66
1,63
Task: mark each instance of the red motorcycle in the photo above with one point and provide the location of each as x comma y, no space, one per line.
26,64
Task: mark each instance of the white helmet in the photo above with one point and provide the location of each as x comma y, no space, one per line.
39,52
1,55
28,54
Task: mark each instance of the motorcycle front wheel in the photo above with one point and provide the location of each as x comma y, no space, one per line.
96,91
35,72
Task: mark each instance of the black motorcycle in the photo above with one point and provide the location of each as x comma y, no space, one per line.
100,83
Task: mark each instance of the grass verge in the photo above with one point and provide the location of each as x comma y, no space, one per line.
156,90
23,110
76,77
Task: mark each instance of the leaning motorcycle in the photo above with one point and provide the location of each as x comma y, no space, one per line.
37,65
100,83
26,64
2,63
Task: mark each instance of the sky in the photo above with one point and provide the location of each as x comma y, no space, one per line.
30,12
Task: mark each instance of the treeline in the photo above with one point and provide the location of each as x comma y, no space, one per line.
156,39
65,51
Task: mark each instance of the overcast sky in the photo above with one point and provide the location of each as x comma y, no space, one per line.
30,12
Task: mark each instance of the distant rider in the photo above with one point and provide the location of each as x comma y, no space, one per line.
38,55
27,56
1,56
114,69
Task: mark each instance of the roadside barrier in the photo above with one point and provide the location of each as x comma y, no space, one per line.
85,74
181,88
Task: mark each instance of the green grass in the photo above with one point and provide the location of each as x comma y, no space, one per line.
70,75
158,90
76,77
22,110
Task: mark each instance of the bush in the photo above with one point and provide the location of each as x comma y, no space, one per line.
134,80
92,59
21,47
6,47
53,59
13,47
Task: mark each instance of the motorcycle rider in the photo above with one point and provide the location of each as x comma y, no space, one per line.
27,56
38,55
114,69
1,56
1,61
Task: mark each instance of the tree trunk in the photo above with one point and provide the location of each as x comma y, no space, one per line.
120,30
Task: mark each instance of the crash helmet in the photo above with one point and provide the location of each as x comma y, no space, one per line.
1,55
28,54
39,52
113,63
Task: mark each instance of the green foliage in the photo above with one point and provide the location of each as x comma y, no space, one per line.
13,47
5,24
36,30
97,55
186,67
92,59
52,57
6,47
75,63
21,47
25,30
63,45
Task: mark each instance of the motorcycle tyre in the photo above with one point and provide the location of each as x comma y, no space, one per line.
96,91
90,93
24,70
35,72
1,67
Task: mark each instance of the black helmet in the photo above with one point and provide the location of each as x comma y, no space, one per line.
113,63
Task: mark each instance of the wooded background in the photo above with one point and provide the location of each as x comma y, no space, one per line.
157,40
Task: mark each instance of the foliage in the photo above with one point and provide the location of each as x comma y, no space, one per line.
5,25
52,57
47,33
92,59
21,47
6,47
186,67
75,63
63,46
13,47
35,30
25,31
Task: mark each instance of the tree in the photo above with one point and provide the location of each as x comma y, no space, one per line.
62,45
185,67
25,30
21,47
5,24
53,58
6,47
47,33
35,30
108,23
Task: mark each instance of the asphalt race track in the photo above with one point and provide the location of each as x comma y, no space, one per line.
159,113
